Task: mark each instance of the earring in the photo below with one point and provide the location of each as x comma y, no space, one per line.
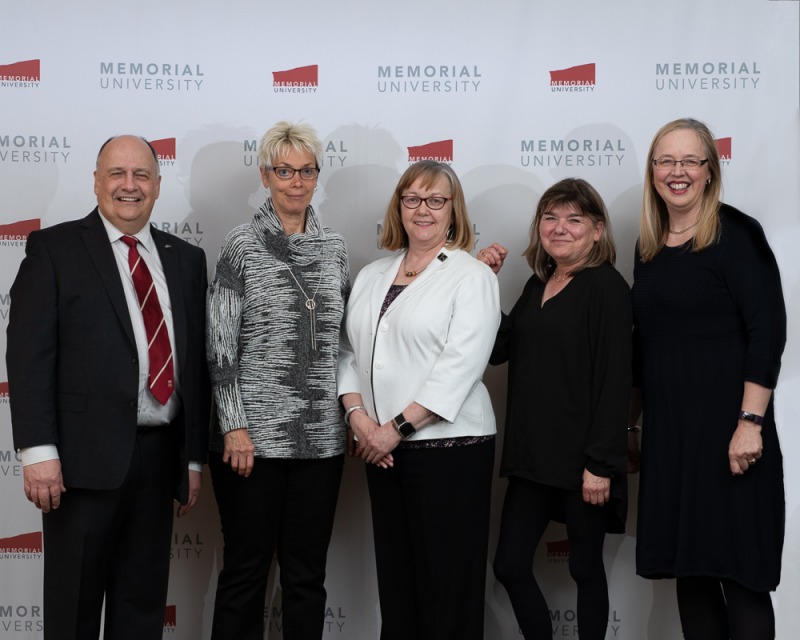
708,181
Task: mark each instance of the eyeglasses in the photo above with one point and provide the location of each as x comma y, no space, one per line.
287,173
432,202
687,163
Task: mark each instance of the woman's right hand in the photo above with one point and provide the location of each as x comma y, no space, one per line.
360,429
493,256
239,451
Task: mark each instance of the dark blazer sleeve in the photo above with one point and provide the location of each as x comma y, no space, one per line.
32,338
186,273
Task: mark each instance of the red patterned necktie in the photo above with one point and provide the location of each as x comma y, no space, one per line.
161,380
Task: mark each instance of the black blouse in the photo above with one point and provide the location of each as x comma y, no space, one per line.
569,380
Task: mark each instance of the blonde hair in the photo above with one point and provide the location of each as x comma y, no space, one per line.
277,141
654,221
584,197
460,236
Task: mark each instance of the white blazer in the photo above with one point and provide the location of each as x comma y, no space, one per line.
431,346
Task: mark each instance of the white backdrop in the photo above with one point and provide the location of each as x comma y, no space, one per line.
515,94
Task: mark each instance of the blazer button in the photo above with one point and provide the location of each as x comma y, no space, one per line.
379,366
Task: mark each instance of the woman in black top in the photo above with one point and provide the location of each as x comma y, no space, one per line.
710,326
568,344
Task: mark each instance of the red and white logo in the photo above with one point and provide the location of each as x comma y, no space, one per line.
26,73
4,390
24,543
297,80
170,617
441,151
165,149
724,148
18,231
573,79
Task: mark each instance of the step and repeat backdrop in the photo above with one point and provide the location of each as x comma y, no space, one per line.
514,95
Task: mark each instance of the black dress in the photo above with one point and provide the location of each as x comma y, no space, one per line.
706,322
568,384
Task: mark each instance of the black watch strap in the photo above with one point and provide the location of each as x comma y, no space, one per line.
403,426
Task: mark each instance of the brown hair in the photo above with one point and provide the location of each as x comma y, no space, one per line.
393,234
577,192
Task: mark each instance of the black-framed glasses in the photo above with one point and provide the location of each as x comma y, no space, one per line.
686,163
287,173
432,202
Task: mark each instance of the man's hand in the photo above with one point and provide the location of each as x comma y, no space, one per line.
44,484
195,484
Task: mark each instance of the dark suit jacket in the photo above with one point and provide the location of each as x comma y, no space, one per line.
72,359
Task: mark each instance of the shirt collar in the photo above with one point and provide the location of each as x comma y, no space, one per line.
144,236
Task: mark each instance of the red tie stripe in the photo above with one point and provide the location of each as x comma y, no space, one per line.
162,375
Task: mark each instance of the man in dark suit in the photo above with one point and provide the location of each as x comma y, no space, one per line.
106,441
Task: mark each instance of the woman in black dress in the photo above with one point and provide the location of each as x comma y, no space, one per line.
568,344
710,327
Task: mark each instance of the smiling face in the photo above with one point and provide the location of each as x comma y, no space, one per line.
427,228
127,183
291,197
567,235
681,189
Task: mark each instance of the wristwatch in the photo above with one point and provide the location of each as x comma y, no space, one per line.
403,426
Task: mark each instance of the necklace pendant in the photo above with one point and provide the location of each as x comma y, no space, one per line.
311,304
313,319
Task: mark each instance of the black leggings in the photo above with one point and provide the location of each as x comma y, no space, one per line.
713,609
527,510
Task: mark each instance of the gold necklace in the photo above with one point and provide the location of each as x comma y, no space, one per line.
411,274
562,278
682,231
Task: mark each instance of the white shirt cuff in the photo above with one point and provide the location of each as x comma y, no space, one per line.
41,453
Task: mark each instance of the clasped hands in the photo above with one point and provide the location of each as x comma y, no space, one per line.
371,441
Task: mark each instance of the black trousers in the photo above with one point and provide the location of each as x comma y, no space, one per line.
113,544
288,505
430,519
527,510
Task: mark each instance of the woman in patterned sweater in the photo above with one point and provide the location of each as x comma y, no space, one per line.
274,311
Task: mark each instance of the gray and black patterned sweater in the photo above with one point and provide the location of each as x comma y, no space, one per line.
265,374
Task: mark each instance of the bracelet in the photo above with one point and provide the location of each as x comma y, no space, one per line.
751,417
355,407
634,429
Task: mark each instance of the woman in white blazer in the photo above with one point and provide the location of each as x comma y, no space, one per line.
419,329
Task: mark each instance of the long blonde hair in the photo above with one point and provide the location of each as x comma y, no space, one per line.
654,221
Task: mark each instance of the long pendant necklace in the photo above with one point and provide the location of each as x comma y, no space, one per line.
311,304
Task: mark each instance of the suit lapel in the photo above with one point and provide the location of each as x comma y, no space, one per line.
95,239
